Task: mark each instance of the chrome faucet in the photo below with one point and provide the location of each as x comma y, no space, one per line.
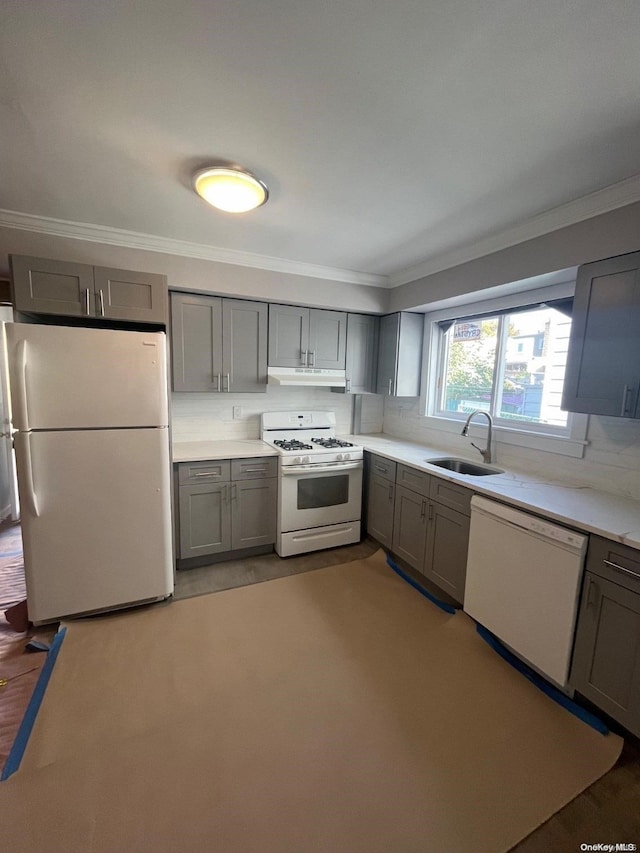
486,453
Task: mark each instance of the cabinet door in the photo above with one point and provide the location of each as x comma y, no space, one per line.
603,365
253,517
380,503
196,342
410,526
44,286
327,339
388,353
205,519
606,656
362,353
446,553
244,345
127,295
288,336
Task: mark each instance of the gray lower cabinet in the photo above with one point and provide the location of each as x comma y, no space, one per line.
400,354
422,519
410,526
307,337
68,289
606,659
205,519
217,344
226,505
445,560
362,353
602,376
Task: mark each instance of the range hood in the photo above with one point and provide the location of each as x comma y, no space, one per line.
314,376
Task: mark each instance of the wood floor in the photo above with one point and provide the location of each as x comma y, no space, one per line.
608,812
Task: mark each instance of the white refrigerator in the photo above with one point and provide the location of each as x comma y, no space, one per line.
90,407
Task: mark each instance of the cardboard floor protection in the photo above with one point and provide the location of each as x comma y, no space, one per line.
337,710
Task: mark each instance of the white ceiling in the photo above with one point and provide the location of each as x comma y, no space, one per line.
388,132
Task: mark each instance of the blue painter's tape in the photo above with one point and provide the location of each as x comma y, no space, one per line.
448,608
542,684
24,732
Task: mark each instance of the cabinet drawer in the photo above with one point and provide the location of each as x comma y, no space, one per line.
451,495
204,472
417,481
382,467
614,561
254,469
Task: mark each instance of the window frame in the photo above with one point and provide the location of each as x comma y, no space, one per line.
568,441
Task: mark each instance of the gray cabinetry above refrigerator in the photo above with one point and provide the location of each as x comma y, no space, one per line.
67,289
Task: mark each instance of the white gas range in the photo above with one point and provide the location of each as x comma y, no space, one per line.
320,482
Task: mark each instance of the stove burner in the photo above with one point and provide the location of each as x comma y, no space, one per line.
292,444
331,443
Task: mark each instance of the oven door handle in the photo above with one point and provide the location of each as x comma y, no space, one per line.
320,468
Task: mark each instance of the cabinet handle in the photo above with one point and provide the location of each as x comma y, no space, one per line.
234,492
381,468
86,301
228,383
622,569
312,358
593,588
207,474
218,386
423,509
430,512
304,357
390,491
625,398
348,386
253,470
225,494
101,294
390,381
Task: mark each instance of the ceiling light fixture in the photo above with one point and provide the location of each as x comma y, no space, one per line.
231,189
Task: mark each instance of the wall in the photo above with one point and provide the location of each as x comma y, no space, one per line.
613,233
611,460
185,273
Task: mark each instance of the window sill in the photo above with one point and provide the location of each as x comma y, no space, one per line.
563,445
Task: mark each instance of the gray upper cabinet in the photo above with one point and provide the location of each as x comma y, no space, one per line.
306,337
362,353
606,657
67,289
218,344
603,366
400,355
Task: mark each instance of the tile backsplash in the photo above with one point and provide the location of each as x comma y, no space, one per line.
611,459
202,417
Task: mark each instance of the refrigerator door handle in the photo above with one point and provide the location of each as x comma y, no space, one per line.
28,467
21,375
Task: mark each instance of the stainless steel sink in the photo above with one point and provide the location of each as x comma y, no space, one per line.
463,466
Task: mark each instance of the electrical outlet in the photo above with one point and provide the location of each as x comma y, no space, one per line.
237,413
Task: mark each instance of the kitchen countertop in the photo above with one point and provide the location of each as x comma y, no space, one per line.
196,451
582,507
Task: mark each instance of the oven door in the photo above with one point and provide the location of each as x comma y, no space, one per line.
319,495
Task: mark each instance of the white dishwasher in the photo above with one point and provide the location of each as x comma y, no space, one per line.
523,583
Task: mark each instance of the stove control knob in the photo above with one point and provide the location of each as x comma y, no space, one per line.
297,460
347,456
339,457
305,459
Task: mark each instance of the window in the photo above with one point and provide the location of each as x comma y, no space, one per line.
510,365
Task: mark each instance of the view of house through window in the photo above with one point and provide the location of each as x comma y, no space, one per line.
511,365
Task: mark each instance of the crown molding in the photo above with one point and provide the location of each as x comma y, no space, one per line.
152,243
602,201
